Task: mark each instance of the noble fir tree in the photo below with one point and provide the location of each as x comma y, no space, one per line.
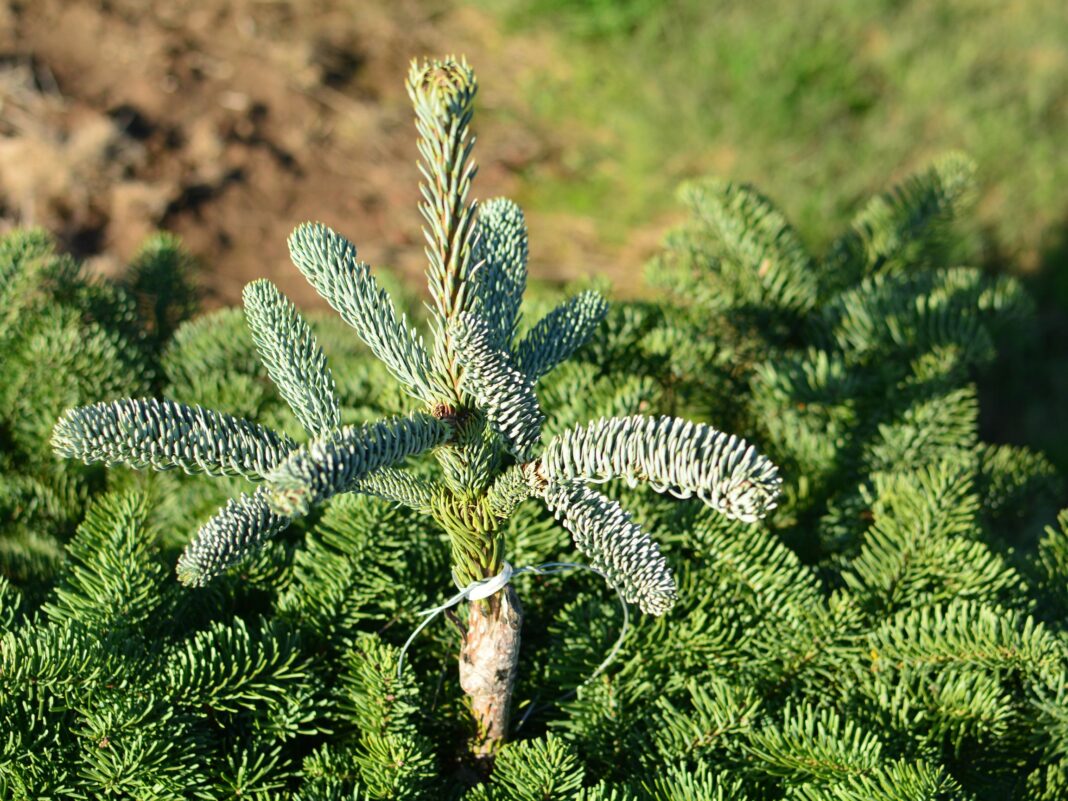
476,411
894,631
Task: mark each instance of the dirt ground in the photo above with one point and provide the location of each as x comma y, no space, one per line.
230,122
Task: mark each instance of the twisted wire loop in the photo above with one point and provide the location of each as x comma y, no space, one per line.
673,455
165,435
484,588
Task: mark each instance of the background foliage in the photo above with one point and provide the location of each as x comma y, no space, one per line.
815,102
895,631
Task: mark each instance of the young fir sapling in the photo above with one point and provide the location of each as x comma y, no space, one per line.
476,411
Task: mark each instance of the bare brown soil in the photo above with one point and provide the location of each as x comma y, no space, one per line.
230,122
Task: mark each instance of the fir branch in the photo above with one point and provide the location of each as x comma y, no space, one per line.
162,277
910,314
293,358
714,712
233,534
394,759
61,656
362,560
674,455
962,635
329,262
930,430
755,236
230,666
907,215
59,362
216,342
165,435
924,546
951,672
23,254
614,543
399,487
112,557
506,395
683,782
443,94
814,743
898,780
329,466
775,596
535,769
511,488
500,278
1051,564
559,334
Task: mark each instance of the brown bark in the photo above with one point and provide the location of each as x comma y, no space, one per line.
488,664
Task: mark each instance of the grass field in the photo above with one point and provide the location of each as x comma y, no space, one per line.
818,103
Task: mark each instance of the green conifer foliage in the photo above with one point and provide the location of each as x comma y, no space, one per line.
895,630
65,338
478,414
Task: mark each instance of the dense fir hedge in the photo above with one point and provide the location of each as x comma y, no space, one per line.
895,630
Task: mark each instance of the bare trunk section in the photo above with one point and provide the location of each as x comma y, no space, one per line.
488,663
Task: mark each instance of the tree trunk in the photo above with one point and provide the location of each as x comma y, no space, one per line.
488,663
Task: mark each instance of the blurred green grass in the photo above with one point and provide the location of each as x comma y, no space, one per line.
818,103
